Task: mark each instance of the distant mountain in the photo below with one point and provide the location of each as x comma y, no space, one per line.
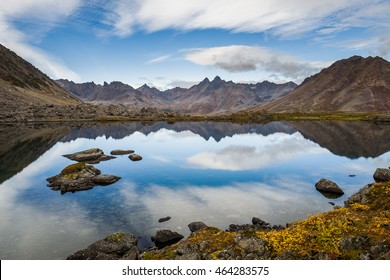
216,96
353,84
23,84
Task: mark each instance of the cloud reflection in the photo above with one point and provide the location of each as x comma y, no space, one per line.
269,150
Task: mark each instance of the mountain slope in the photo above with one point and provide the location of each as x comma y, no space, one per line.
354,84
22,83
207,97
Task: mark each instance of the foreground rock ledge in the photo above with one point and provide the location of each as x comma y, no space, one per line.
79,177
117,246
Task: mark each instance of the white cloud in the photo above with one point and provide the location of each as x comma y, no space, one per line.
158,59
45,14
238,58
280,17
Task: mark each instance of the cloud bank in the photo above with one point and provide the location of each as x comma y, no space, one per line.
238,58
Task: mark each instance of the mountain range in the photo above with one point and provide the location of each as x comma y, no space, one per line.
216,96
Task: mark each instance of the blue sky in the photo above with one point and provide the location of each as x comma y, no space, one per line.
167,43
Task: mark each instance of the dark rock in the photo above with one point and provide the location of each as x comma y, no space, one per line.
360,197
116,246
165,237
354,243
91,156
352,175
161,220
188,251
258,221
382,175
79,177
135,157
105,179
250,227
121,152
252,248
328,188
332,203
195,226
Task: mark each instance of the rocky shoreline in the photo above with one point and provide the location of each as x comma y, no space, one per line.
359,230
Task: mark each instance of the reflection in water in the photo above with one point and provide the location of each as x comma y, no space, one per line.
217,173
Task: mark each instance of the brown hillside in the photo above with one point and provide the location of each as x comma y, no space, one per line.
354,84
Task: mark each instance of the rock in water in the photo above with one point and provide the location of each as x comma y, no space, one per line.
79,177
161,220
91,156
135,157
116,246
382,175
195,226
165,237
121,152
328,187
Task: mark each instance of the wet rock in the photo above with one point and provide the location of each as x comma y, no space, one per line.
360,197
79,177
116,246
121,152
166,237
105,179
195,226
91,156
188,251
135,157
328,188
382,175
161,220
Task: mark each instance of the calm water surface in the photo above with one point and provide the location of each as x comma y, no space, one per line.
217,173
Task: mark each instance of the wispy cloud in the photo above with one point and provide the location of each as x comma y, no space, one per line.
239,58
45,14
283,18
158,59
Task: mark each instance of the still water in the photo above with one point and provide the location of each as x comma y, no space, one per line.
218,173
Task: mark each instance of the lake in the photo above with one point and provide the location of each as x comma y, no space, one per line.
218,173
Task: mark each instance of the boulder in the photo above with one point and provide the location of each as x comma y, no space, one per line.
116,246
382,175
328,187
195,226
121,152
91,156
360,197
166,237
258,221
79,177
135,157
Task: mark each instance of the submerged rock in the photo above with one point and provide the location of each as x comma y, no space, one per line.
135,157
382,175
116,246
79,177
166,237
121,152
328,188
91,156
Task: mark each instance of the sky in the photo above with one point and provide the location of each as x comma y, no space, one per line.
169,43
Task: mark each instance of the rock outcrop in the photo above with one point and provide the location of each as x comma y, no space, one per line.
91,156
116,246
79,177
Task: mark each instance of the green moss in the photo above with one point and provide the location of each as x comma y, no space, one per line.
73,168
116,237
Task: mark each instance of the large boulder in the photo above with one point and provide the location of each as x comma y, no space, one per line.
116,246
382,175
328,187
195,226
166,237
91,156
79,177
